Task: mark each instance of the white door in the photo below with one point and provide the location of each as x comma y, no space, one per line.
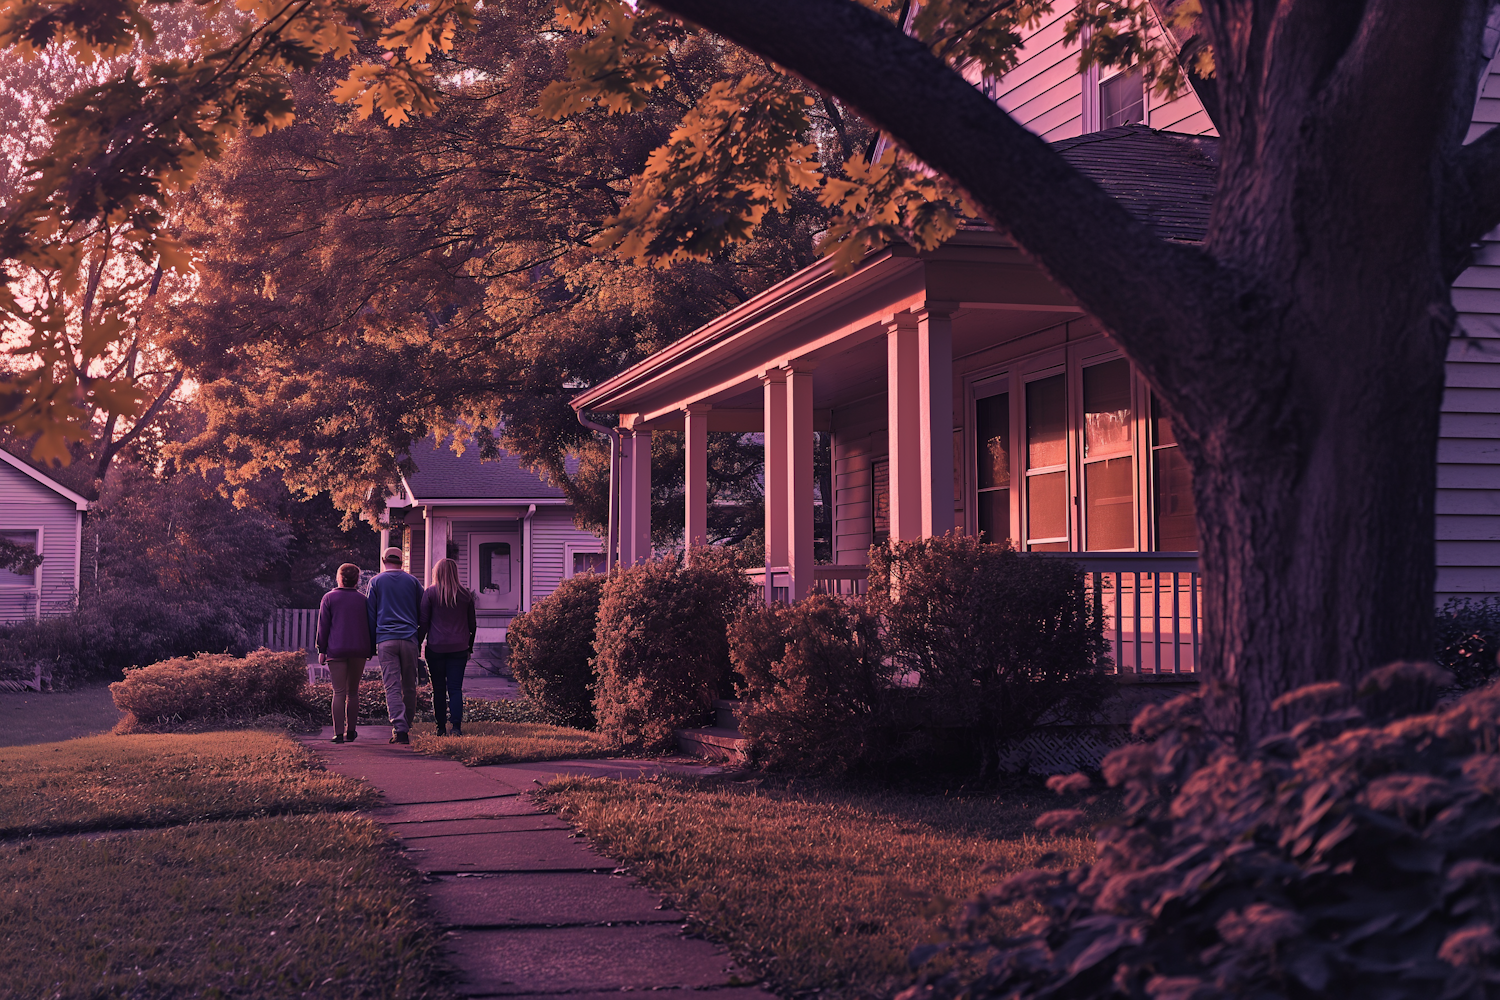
495,571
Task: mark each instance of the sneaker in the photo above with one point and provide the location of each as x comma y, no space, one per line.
400,738
338,738
349,736
443,730
457,731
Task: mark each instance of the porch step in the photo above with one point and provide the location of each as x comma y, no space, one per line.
727,713
713,743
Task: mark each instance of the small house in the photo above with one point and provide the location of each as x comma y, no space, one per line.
40,514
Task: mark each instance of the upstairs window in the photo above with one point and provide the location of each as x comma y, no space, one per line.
1122,99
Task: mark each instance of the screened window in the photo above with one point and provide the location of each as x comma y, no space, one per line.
992,424
1122,99
1176,515
1108,466
1047,464
880,500
25,540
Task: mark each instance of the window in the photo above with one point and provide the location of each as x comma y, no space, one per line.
1047,464
1122,99
494,568
1176,515
992,460
580,562
1108,473
880,500
8,576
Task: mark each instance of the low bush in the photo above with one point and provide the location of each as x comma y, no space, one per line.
212,686
117,629
1353,856
815,693
1002,643
1468,639
552,651
662,646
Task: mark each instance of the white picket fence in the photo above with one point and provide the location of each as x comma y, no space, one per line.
291,629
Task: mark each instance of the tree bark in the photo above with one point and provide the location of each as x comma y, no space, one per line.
1301,350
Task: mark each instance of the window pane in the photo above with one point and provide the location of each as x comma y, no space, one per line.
1046,422
1122,99
1047,505
494,568
880,499
1176,520
994,516
993,419
1106,408
1162,432
1109,498
8,576
588,562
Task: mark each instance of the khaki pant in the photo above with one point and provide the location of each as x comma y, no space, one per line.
345,674
398,670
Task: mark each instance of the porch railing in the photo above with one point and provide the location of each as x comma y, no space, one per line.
1151,603
290,629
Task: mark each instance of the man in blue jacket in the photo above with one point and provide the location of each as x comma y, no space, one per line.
395,612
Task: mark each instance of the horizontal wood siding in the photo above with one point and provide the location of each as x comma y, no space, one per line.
552,530
1468,496
26,504
859,438
1044,91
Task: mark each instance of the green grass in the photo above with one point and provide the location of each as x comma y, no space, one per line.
815,887
317,907
512,743
106,782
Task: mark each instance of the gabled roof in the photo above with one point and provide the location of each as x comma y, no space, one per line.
1165,179
79,503
442,475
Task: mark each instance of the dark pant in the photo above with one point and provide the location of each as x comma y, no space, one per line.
447,670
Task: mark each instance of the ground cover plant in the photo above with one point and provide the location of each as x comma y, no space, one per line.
210,687
1353,855
306,906
1468,638
814,886
112,782
512,743
552,651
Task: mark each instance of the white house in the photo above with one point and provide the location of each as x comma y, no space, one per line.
511,533
42,514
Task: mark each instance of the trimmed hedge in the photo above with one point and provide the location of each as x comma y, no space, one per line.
552,651
212,686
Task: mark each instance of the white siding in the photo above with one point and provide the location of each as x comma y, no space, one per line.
26,504
1468,496
552,530
859,438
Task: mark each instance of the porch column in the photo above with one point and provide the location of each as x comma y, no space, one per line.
385,543
776,469
904,420
624,498
638,527
935,377
799,480
695,433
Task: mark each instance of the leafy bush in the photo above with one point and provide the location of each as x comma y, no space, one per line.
815,691
1468,639
213,685
662,647
1002,643
552,651
1349,857
117,629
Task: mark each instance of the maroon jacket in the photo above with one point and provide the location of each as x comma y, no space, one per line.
447,630
344,625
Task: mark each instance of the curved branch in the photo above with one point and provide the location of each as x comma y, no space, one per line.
1155,296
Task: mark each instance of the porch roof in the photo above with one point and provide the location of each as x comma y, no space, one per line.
990,288
441,475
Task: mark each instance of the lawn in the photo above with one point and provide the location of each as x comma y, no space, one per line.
815,887
107,782
512,743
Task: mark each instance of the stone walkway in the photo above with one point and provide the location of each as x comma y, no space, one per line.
531,909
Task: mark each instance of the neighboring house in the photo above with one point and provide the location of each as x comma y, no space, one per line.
511,533
963,388
39,512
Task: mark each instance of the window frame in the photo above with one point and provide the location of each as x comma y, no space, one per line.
570,549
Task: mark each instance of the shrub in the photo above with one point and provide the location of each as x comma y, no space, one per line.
213,685
1348,857
552,651
117,629
1468,639
662,647
814,688
1002,643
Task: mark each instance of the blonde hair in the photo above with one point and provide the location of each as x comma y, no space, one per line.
445,578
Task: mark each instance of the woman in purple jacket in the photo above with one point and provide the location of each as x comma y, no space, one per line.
345,641
449,626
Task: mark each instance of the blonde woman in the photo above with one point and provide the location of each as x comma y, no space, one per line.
448,625
345,640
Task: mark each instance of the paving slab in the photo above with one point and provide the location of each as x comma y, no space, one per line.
489,824
487,808
524,899
545,850
594,959
662,993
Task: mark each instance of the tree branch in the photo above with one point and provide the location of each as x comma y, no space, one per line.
113,448
1155,296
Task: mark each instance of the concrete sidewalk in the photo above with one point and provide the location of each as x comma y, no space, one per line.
531,909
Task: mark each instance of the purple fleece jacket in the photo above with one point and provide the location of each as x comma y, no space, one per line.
344,625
